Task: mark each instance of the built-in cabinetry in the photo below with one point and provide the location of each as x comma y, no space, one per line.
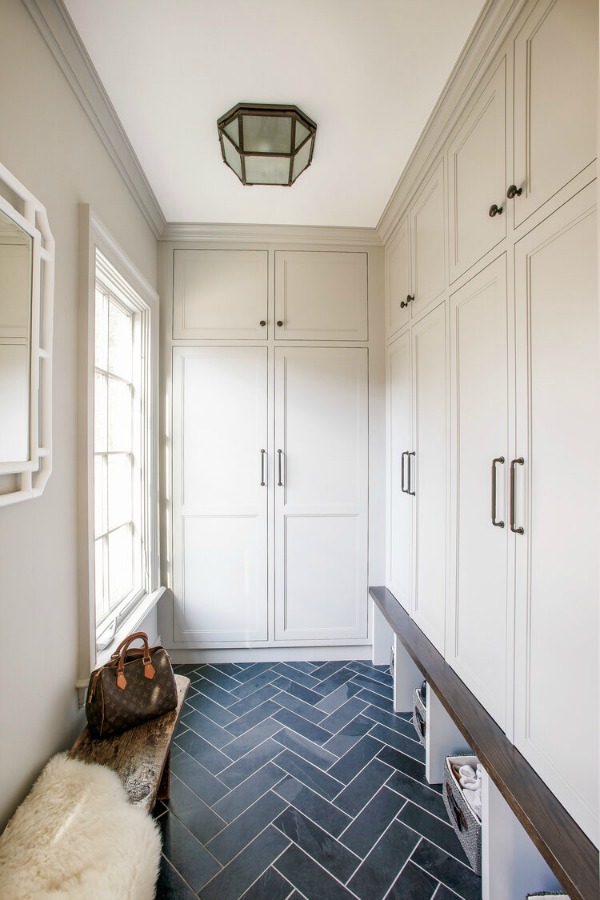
520,602
270,425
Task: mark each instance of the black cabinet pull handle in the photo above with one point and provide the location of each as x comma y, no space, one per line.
262,323
495,210
495,462
279,454
410,472
409,299
403,484
514,191
262,467
515,462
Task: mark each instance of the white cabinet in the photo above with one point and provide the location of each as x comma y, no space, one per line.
478,636
321,447
477,177
219,500
321,295
220,294
417,472
416,259
556,74
556,504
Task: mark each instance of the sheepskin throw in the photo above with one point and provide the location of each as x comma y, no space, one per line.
76,836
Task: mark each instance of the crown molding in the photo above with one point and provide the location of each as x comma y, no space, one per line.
488,34
272,234
60,34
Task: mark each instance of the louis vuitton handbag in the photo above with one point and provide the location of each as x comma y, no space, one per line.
136,685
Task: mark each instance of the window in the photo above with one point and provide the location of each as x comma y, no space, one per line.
119,509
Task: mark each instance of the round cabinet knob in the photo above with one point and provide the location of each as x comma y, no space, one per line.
280,323
262,323
514,191
495,210
409,299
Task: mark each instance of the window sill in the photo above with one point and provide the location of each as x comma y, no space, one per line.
131,624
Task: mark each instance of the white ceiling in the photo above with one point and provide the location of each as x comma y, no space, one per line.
368,72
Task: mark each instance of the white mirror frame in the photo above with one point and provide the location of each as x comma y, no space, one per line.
25,480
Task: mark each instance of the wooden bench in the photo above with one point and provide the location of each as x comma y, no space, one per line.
140,756
569,853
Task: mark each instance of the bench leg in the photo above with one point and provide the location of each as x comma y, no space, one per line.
164,788
407,677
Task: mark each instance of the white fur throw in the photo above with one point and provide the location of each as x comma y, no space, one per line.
76,836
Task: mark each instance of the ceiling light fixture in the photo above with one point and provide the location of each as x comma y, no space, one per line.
266,143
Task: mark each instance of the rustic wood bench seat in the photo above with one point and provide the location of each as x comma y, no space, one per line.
141,756
568,851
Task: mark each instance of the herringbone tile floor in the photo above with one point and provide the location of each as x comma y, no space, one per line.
297,780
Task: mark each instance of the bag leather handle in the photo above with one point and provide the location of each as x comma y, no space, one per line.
121,652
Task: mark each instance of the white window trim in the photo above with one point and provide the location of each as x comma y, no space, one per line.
94,235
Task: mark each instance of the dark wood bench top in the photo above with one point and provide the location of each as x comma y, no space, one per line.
140,756
568,851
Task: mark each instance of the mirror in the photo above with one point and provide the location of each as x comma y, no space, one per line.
26,318
16,260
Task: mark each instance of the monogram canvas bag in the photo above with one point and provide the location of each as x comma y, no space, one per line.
136,685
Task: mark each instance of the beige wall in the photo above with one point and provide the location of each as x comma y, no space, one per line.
48,143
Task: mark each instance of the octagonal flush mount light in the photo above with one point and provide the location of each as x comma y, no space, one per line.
266,143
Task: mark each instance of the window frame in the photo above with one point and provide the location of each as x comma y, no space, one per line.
93,651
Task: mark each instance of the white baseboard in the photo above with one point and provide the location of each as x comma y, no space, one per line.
272,654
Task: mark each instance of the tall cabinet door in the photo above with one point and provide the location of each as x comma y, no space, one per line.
219,500
557,504
399,443
477,645
428,474
321,470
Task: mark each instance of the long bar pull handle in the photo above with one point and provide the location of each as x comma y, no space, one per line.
495,462
410,473
279,455
515,462
263,453
403,487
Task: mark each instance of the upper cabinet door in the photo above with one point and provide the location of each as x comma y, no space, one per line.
428,242
397,279
321,295
219,294
477,178
556,69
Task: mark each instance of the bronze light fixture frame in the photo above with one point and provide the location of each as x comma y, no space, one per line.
245,151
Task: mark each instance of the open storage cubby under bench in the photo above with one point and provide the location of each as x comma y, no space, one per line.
568,851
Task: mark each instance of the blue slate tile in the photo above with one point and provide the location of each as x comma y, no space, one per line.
390,720
207,755
294,675
299,691
376,700
423,796
185,853
197,778
170,884
270,886
220,678
244,869
250,763
355,759
319,845
252,738
193,812
403,763
302,726
443,893
308,877
363,788
207,729
369,684
184,668
415,884
253,700
229,668
215,693
399,742
303,666
306,749
334,681
349,735
180,729
314,807
369,825
327,669
288,701
252,718
252,670
447,870
336,698
383,677
343,714
229,842
380,868
309,775
437,832
254,684
210,709
246,793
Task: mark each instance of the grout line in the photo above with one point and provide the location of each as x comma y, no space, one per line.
298,778
236,761
366,765
433,843
317,863
177,872
442,883
254,802
362,810
229,862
